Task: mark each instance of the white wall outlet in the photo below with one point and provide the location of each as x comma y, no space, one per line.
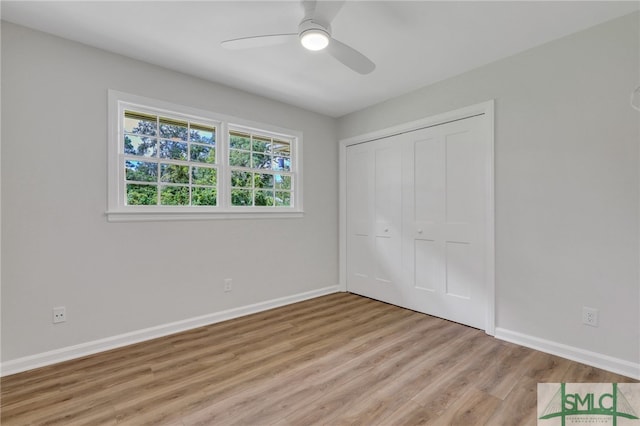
590,316
59,314
227,285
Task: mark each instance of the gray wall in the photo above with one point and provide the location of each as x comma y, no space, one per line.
567,182
113,278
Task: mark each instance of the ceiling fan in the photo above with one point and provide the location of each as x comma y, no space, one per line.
314,32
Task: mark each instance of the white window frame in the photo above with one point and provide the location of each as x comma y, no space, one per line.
118,211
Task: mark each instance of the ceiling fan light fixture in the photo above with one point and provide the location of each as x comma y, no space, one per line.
313,35
314,39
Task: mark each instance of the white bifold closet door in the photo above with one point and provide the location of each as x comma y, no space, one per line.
416,220
374,220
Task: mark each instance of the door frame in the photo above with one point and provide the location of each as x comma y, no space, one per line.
484,108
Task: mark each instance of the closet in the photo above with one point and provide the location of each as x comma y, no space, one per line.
418,213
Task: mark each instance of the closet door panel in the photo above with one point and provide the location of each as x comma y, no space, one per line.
374,220
446,210
427,270
428,186
360,256
388,214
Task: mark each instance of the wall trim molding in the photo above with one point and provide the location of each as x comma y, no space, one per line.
594,359
89,348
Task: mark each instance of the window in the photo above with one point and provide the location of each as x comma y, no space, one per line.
168,162
171,162
260,170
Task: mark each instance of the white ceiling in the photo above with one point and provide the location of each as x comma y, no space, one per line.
413,43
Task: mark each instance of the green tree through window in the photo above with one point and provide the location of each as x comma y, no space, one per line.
175,162
169,161
261,170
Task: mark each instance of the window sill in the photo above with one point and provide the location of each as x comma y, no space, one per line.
161,216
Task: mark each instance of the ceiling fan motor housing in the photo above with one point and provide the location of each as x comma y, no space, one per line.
313,36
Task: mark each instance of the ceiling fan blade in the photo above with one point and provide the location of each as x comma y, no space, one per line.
257,41
309,7
326,11
350,57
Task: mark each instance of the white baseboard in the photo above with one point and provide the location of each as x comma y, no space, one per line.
594,359
83,349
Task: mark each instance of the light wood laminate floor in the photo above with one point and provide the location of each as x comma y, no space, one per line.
335,360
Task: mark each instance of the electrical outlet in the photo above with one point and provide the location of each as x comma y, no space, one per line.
590,316
59,314
227,285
